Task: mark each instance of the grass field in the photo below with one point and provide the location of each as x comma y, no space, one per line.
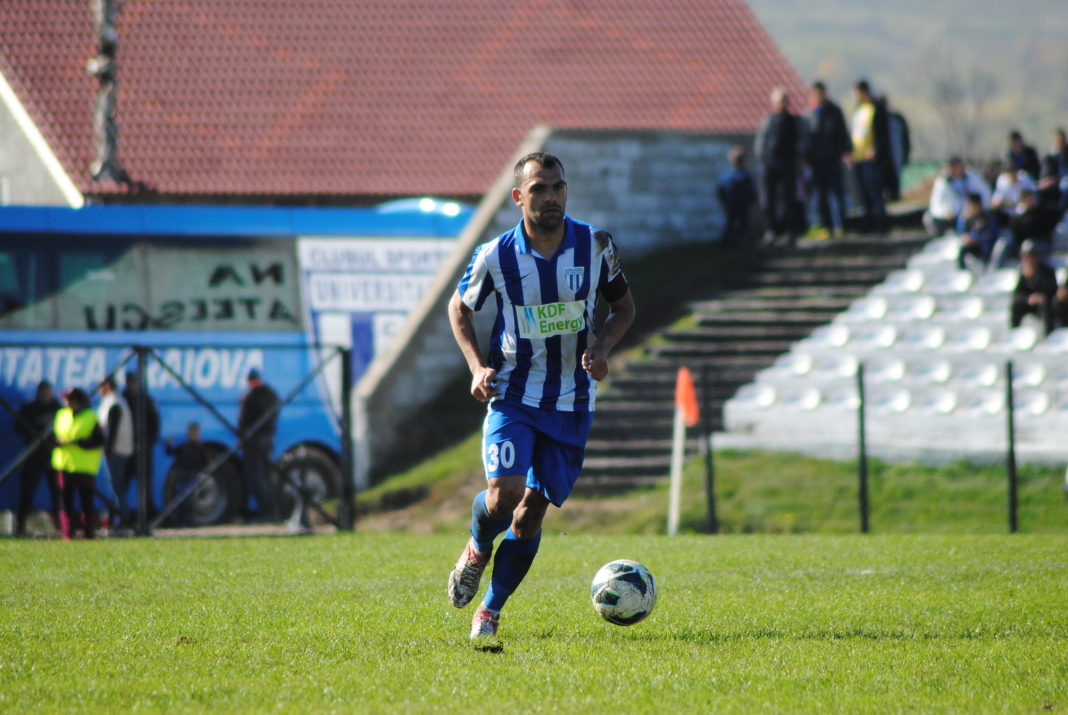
360,622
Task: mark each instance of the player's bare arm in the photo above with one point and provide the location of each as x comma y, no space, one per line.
620,317
483,377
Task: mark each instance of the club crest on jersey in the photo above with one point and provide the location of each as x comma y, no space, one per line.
574,277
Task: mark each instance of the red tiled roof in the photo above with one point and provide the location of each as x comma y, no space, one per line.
377,97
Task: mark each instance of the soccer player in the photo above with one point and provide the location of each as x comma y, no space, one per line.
544,360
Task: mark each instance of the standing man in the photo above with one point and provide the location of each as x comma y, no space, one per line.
35,418
829,143
259,444
114,414
780,148
132,394
868,128
545,276
76,459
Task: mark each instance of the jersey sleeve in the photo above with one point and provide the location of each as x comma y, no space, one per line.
477,282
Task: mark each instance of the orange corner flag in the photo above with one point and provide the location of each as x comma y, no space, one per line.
686,396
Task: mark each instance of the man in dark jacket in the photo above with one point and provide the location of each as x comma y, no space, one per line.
1036,288
258,401
35,418
828,144
152,426
1053,186
1022,156
780,148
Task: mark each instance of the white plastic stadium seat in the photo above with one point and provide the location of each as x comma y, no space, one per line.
933,372
872,336
982,374
968,339
805,398
844,398
911,307
948,282
1055,342
864,310
1028,374
1002,280
922,337
934,401
1021,339
961,308
1031,403
828,336
894,400
903,281
982,403
790,365
834,367
883,370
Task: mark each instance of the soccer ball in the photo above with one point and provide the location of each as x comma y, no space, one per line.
623,592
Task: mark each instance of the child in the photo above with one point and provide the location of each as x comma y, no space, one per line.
190,458
737,193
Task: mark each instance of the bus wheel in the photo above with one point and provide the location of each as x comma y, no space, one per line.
322,476
217,500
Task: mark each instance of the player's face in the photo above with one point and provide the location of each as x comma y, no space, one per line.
542,196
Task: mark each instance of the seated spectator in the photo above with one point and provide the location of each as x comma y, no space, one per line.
978,231
1053,186
1032,222
1022,156
737,193
190,458
947,196
1035,290
1010,183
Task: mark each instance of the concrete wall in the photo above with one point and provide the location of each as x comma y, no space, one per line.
25,179
648,189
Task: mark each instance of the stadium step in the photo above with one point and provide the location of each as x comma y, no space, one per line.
729,336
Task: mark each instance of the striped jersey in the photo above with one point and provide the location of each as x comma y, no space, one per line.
545,311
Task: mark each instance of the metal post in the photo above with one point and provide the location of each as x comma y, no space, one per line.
862,452
141,440
710,471
1010,457
347,513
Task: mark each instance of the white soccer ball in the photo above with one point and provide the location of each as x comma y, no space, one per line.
623,592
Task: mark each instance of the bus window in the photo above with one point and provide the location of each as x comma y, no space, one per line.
100,290
20,290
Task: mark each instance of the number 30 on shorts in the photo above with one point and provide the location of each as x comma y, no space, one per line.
500,455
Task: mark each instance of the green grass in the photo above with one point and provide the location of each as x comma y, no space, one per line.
360,622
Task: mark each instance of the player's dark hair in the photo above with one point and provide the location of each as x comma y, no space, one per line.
736,156
819,86
542,158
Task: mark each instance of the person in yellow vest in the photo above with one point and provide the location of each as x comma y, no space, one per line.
76,459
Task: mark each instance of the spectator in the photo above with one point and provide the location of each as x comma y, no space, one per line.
76,459
978,231
190,459
948,194
1022,156
780,148
900,149
259,401
1036,289
737,193
1053,186
1032,222
829,143
36,418
1007,189
1061,304
868,133
152,424
114,414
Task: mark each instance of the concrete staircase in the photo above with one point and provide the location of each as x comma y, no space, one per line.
734,332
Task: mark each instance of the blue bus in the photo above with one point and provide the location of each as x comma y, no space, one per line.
209,293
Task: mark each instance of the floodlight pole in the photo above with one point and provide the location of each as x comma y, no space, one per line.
862,452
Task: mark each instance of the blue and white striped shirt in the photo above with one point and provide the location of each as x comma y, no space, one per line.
545,311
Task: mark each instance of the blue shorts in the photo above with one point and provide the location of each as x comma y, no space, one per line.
546,445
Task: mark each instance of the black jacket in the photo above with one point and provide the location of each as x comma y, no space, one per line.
828,135
257,402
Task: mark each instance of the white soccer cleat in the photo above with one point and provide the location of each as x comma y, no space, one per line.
465,577
484,624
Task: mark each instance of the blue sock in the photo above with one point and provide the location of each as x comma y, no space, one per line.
510,565
485,528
